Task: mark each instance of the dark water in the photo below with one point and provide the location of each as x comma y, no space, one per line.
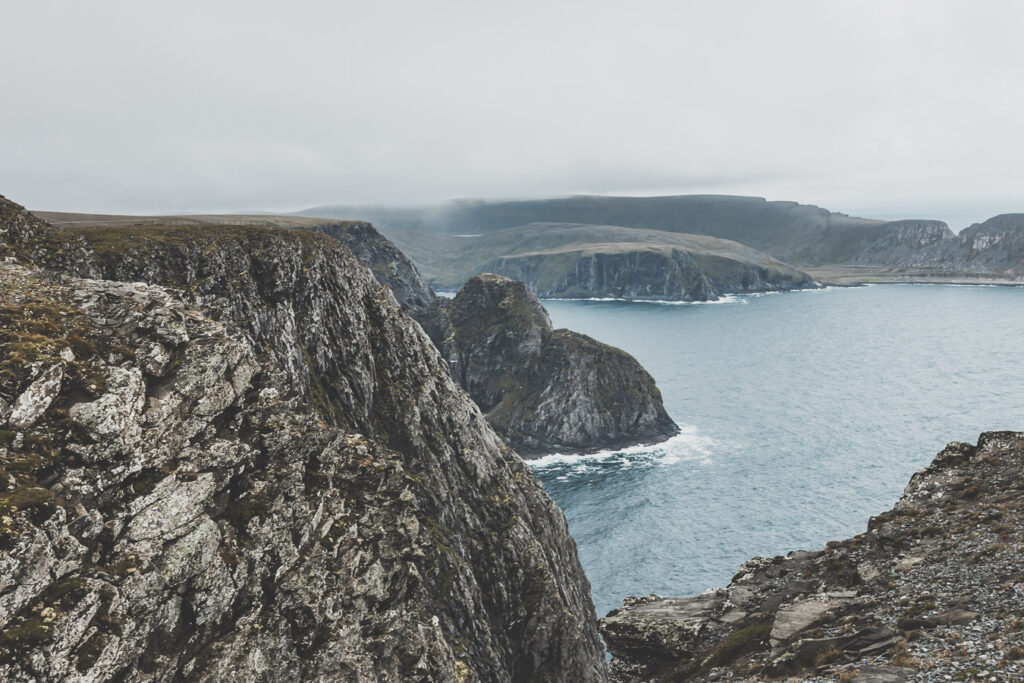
803,414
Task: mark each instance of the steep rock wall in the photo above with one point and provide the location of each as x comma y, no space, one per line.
399,537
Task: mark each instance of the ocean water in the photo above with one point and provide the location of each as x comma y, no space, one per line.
802,415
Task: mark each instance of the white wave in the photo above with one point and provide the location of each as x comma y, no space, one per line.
725,299
687,445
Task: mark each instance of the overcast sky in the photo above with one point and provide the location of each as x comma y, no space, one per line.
886,108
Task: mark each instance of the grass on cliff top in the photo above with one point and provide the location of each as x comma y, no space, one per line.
37,322
108,240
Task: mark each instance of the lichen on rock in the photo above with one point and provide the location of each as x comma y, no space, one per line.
257,468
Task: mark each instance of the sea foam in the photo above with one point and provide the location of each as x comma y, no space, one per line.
687,445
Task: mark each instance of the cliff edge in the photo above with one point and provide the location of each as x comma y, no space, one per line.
229,455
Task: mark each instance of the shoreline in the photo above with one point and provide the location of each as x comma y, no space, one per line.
854,276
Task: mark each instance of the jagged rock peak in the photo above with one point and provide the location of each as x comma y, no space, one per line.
548,390
18,228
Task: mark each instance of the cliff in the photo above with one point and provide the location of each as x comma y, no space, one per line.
393,269
229,455
547,390
931,590
573,260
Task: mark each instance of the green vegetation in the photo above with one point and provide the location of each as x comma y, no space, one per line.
742,640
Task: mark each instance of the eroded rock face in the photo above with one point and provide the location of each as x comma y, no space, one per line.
263,472
547,390
993,248
931,591
647,273
393,269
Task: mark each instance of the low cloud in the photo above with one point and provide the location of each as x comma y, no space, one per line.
131,107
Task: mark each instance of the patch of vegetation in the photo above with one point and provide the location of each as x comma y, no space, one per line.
23,635
90,651
27,498
919,609
741,641
825,657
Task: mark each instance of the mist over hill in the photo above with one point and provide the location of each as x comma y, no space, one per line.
802,235
787,230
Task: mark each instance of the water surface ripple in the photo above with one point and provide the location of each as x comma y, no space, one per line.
803,414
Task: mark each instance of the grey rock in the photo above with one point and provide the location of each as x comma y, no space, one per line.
547,390
284,500
834,611
33,402
883,674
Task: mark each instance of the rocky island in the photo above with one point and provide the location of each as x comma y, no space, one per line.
200,483
547,390
933,590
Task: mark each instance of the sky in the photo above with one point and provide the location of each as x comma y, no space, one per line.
887,109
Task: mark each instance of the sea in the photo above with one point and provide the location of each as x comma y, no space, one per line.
802,414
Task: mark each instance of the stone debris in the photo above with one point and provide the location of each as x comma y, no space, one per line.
34,401
933,591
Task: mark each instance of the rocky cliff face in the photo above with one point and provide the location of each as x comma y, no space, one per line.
932,591
548,390
639,274
393,269
256,467
505,342
994,248
908,243
646,273
574,260
997,245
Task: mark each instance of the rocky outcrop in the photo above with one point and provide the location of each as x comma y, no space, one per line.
908,243
393,269
932,591
994,248
640,274
996,245
547,390
255,467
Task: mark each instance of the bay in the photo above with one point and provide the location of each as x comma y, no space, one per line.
802,415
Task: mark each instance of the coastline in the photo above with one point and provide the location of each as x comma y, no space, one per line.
854,276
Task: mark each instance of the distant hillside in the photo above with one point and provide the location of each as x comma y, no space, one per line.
789,231
830,245
569,259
